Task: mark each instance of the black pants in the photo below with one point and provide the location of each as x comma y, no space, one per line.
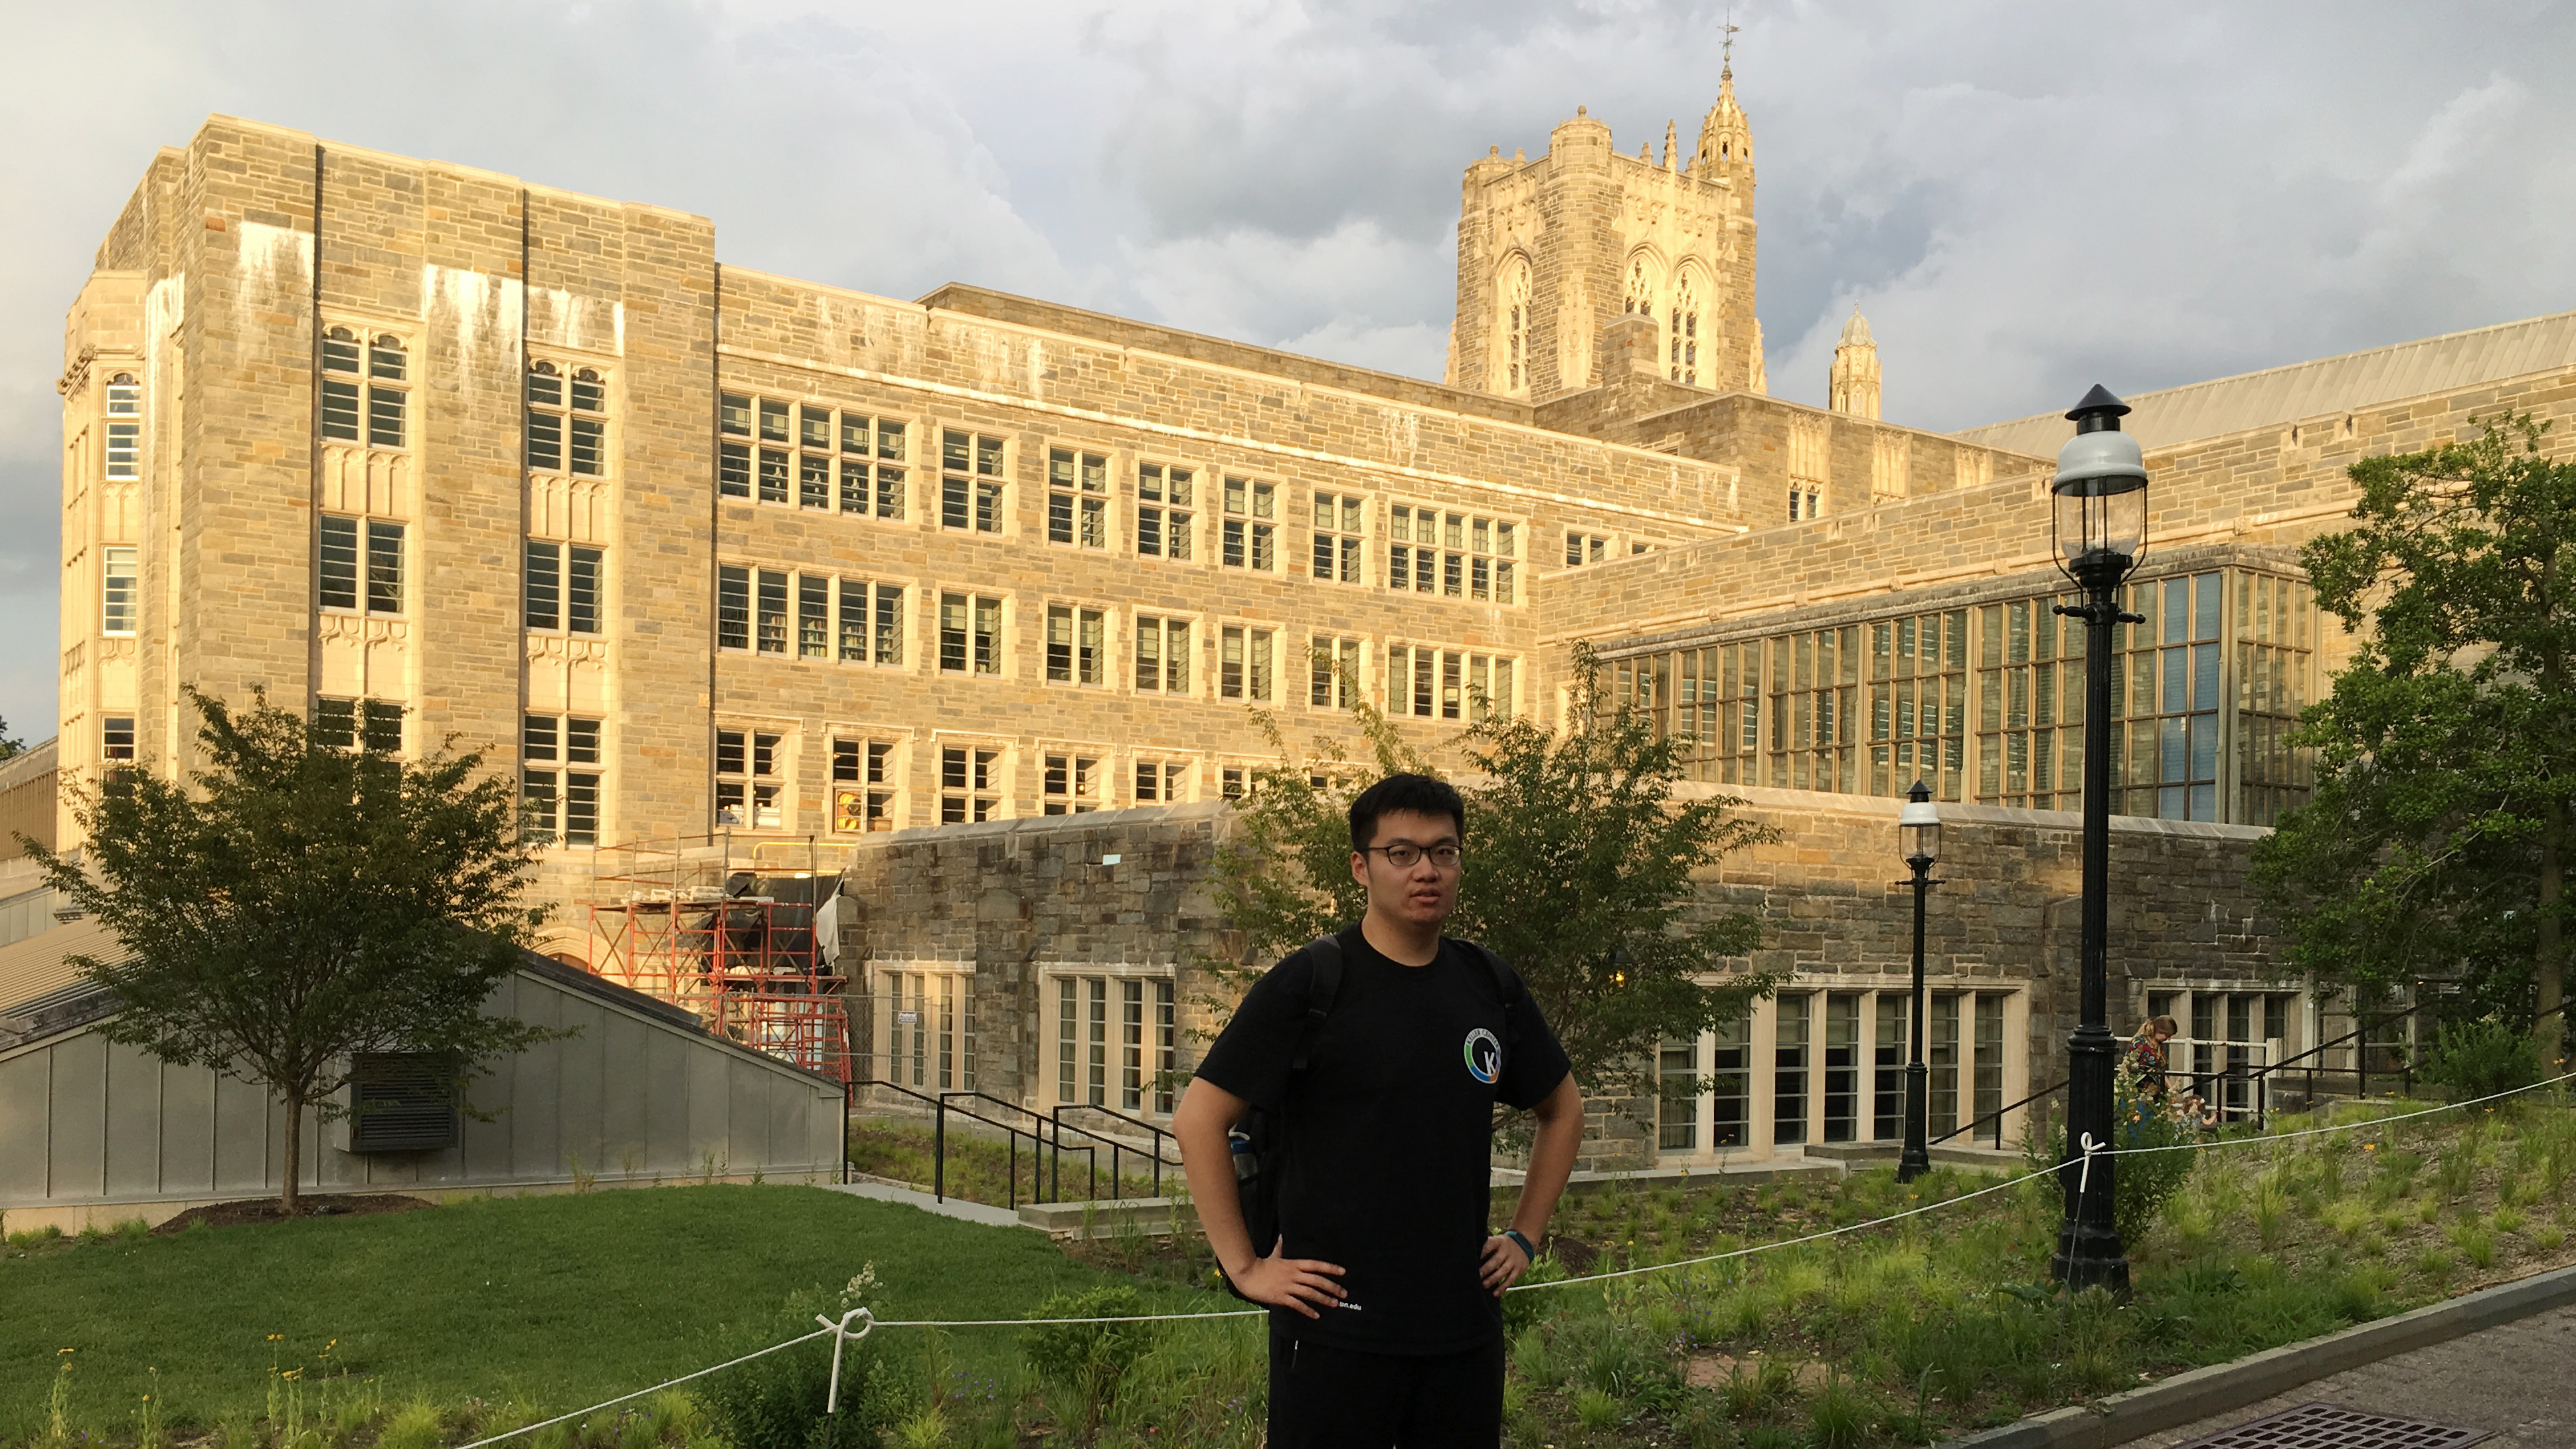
1339,1398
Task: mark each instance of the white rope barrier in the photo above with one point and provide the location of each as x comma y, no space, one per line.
842,1335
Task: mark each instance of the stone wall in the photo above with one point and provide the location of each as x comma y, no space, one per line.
1016,898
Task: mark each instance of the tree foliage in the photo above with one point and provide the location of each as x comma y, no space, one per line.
299,904
1579,867
2435,841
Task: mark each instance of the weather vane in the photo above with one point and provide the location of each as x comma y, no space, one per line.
1727,48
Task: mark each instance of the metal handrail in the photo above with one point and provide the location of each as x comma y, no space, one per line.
1039,1145
1159,1134
1997,1117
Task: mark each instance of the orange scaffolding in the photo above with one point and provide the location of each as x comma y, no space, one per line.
724,927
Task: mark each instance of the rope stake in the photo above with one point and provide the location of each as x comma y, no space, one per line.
842,1338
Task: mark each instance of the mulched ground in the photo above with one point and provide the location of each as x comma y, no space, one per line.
313,1205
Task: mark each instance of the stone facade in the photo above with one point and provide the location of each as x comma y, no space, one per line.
740,572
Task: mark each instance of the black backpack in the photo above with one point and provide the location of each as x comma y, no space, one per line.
1259,1142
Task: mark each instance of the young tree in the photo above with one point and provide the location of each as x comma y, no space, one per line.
1579,867
2437,837
302,903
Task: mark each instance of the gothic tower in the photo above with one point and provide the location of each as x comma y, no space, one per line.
1553,250
1853,387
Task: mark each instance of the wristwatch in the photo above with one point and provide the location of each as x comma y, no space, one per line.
1527,1252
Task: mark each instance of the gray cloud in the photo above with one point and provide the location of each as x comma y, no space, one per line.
2023,198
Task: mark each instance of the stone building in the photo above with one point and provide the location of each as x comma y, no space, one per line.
738,571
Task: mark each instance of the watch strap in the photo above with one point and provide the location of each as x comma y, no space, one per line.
1522,1243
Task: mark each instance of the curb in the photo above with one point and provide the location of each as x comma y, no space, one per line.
2218,1388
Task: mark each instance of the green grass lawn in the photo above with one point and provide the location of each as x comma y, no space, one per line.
559,1301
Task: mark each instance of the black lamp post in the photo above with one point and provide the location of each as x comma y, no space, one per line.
2099,516
1920,821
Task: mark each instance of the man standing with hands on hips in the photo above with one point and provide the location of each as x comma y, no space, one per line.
1379,1054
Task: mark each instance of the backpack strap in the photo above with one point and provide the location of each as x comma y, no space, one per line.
1324,955
1507,983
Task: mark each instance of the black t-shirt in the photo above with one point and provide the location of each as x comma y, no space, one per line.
1388,1168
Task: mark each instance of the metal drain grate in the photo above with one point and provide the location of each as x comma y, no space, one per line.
2328,1426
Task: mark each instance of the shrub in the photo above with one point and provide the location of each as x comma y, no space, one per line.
1520,1310
1595,1409
2147,1174
777,1401
2481,1058
1090,1361
1839,1417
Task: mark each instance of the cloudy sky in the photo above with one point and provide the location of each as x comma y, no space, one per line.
2023,197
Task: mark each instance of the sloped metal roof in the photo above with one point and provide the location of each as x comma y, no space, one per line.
2282,395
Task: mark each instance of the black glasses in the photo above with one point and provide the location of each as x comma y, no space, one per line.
1405,855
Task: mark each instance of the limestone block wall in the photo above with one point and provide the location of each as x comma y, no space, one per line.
1012,902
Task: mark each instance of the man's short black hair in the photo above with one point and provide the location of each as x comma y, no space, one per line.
1420,794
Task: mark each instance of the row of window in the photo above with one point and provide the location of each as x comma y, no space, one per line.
1115,1039
1837,1071
1869,708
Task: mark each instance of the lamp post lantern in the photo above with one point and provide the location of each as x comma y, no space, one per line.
2099,517
1920,823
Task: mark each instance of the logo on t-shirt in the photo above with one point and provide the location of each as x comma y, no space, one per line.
1484,1056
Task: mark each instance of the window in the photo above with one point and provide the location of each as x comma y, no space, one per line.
733,414
2171,668
733,607
1941,1057
118,596
1250,532
1683,326
1456,555
1815,689
773,420
861,437
770,615
564,587
124,427
1810,462
1163,511
929,1028
1072,784
1077,498
970,482
2030,706
338,562
347,724
871,622
1888,1054
1077,650
1234,783
2274,663
772,475
567,422
1116,1043
1677,1112
1515,325
1709,698
116,737
1447,683
1730,1063
813,616
1163,654
1161,782
863,785
1790,1028
970,784
1805,502
1337,538
970,634
1244,665
1584,548
748,782
380,399
733,469
1988,1082
1918,703
559,806
1334,672
1842,1066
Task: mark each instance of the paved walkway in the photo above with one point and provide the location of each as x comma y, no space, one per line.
2518,1381
973,1212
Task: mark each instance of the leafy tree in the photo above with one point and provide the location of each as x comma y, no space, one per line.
10,745
2437,837
302,903
1579,872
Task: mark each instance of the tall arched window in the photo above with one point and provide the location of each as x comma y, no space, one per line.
1514,303
1640,300
1684,347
